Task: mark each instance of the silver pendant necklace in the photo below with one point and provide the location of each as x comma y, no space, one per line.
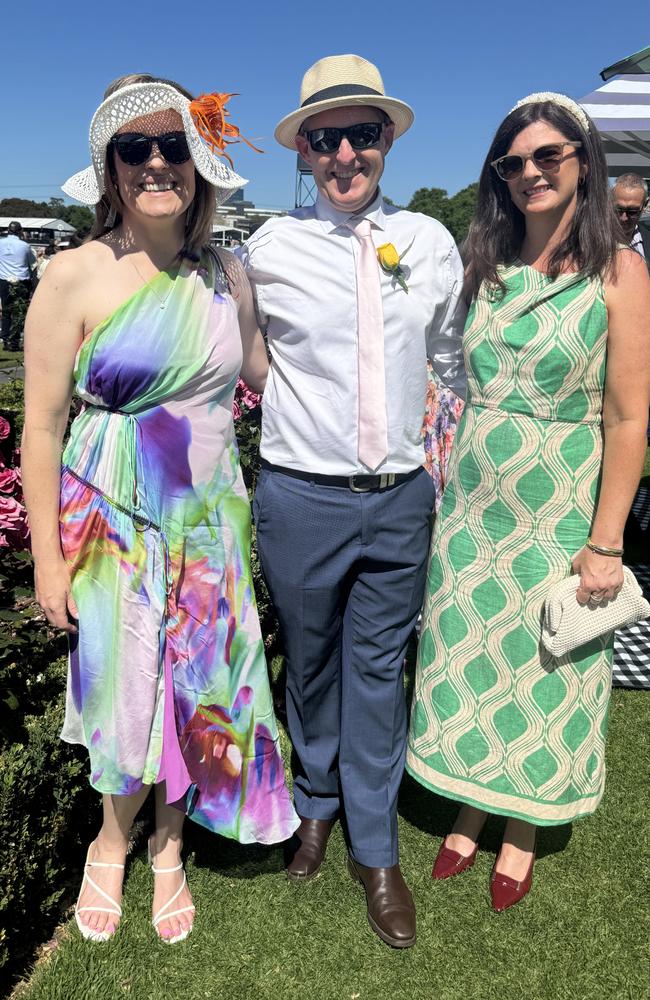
162,302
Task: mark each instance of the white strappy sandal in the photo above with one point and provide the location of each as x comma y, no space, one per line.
88,932
162,914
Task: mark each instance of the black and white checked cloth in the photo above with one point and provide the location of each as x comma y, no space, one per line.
641,508
631,666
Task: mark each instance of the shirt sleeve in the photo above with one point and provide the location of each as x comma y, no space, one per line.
445,332
245,255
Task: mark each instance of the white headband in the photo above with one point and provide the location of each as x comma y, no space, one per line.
561,100
138,99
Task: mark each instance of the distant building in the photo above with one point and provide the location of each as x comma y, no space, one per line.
234,221
39,232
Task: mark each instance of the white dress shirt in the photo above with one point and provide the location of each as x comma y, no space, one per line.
302,268
636,243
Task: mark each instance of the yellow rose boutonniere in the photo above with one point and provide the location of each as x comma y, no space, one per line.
389,261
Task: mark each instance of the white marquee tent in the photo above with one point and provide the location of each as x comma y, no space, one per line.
56,226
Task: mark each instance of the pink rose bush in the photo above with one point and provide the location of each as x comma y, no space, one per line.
14,529
245,399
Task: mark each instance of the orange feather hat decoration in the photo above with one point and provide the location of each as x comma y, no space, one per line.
209,115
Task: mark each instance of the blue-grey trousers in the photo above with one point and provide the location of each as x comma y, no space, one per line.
346,573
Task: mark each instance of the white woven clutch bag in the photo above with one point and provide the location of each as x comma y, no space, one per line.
567,624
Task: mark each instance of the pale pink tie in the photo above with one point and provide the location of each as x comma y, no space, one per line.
373,430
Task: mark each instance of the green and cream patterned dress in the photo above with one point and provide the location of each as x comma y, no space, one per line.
498,722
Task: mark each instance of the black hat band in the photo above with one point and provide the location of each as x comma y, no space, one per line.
340,90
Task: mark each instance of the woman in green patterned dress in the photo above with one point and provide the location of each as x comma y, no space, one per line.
544,468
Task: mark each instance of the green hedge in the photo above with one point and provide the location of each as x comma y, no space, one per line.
47,809
11,404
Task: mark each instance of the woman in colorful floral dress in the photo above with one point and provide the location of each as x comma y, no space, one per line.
141,539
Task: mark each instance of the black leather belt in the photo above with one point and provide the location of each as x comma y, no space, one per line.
358,484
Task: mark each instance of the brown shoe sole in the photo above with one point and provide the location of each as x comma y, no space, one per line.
393,942
303,878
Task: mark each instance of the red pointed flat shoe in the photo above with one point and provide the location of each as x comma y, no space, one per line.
450,862
506,891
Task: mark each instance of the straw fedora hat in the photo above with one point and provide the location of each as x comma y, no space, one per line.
339,82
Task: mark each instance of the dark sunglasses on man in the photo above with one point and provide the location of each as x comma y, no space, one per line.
134,148
548,157
361,136
632,213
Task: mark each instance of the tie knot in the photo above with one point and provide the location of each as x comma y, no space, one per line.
361,227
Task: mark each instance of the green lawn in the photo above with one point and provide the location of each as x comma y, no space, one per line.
11,359
582,934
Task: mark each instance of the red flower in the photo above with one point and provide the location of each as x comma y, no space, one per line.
10,511
9,478
5,428
14,529
245,399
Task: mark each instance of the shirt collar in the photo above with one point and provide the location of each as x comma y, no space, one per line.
331,217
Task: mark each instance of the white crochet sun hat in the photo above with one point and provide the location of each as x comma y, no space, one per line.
139,99
339,82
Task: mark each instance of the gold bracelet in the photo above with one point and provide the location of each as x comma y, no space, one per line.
602,550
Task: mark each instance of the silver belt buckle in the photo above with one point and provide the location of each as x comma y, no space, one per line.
385,479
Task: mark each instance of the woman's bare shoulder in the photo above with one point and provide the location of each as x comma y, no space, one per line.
629,273
69,270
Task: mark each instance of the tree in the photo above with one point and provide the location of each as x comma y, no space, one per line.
78,216
56,206
22,208
461,212
430,201
455,213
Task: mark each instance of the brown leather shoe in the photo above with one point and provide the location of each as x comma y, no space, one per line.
305,852
391,912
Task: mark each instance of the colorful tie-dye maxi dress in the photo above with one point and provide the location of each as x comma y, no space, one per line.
167,678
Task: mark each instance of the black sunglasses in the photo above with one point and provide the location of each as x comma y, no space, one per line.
632,213
135,148
328,140
548,157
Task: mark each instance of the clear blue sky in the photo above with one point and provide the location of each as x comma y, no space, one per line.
461,65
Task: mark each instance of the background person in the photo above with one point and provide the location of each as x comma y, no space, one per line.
143,536
630,197
545,466
17,260
343,504
44,258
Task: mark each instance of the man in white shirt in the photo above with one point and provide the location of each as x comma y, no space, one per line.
17,260
343,505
